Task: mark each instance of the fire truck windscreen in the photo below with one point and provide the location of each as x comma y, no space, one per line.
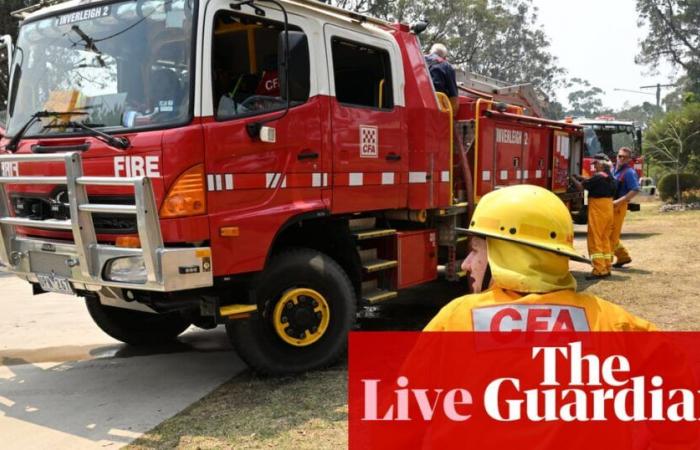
127,64
608,138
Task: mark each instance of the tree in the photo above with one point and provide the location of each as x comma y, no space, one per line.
682,94
488,37
586,100
673,141
642,114
673,35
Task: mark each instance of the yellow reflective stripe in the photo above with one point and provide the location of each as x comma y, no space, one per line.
599,256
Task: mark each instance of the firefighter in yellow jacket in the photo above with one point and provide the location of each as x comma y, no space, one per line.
519,272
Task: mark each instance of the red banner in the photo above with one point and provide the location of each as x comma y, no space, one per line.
524,390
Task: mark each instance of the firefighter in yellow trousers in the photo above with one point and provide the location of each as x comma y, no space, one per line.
601,190
627,188
519,271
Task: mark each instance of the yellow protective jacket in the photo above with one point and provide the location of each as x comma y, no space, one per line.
563,310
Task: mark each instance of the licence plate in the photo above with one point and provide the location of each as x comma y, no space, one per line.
53,283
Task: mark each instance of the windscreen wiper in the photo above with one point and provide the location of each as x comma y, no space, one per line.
14,142
121,143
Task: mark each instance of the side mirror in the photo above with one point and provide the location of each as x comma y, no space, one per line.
297,69
6,50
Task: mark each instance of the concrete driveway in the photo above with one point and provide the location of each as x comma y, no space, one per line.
65,384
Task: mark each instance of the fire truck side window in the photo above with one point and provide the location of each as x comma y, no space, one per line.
244,65
362,75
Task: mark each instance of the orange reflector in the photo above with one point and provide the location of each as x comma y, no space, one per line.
202,253
187,196
229,231
128,242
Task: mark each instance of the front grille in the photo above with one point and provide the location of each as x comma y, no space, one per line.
55,206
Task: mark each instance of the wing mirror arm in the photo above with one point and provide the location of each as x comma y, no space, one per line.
255,128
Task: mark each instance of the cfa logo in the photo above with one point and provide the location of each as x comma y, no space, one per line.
530,318
369,141
136,166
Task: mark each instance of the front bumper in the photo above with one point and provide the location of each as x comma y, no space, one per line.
83,261
178,268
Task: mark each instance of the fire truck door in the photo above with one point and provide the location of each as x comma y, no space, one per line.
249,176
561,155
368,136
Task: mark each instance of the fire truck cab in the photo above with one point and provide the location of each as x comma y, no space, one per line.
275,166
606,135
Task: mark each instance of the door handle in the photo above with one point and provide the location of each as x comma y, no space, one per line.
393,157
307,154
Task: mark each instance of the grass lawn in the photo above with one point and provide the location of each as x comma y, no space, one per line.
310,411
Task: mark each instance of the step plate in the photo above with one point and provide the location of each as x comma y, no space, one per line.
378,265
378,295
373,234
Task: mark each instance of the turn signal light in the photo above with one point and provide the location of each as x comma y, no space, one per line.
187,196
128,242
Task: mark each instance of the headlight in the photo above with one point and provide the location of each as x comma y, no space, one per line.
129,269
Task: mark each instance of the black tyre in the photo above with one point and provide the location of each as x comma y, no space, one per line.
136,327
306,307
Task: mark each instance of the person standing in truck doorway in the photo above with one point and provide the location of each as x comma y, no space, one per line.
443,74
627,188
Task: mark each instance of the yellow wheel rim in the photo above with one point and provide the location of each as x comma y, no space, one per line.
301,317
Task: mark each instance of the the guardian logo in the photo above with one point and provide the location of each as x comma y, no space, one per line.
593,389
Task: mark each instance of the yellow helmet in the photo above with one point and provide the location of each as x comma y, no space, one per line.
529,215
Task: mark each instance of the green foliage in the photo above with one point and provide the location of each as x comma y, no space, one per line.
667,185
586,100
642,114
488,37
674,139
672,36
681,95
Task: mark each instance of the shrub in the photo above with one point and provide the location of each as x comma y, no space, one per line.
692,196
667,185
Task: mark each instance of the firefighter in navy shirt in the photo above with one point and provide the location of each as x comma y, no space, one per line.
601,191
443,74
627,188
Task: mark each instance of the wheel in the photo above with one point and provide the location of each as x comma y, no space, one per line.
306,307
135,327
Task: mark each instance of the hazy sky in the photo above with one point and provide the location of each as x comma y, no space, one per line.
597,40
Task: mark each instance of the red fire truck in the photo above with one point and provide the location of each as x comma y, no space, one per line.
275,166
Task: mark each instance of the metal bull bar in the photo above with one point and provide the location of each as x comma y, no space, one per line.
167,269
